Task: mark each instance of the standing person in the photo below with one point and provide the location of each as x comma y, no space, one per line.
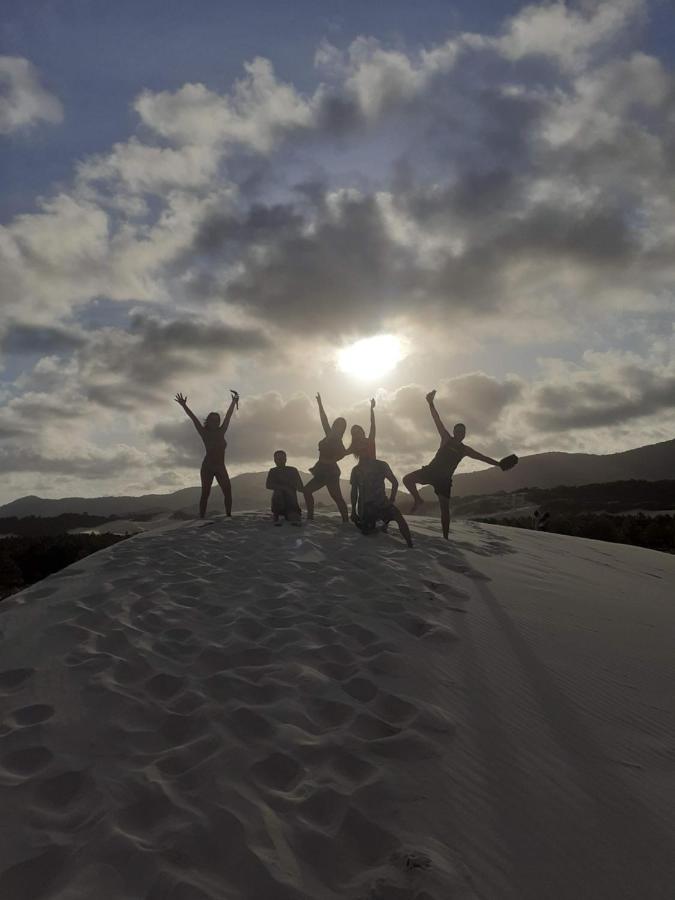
326,472
284,481
370,503
363,447
440,470
212,433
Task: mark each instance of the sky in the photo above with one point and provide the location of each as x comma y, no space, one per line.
215,195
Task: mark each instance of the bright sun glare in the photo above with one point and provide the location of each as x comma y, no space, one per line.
371,357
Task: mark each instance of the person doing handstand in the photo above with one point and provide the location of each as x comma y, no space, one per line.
438,473
370,503
284,481
326,472
212,433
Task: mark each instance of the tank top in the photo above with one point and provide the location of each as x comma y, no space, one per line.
448,456
331,449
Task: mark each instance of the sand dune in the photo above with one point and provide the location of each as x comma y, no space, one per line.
228,710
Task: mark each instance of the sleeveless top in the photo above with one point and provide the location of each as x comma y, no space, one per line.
331,449
448,456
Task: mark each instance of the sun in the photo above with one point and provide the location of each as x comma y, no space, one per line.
372,357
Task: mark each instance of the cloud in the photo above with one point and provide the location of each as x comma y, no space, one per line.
566,35
610,390
23,100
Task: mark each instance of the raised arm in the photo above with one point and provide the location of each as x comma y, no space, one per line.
474,454
182,401
371,436
442,430
228,415
323,416
389,475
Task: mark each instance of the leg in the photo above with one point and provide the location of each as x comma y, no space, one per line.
223,480
314,484
445,514
411,480
403,527
206,474
336,494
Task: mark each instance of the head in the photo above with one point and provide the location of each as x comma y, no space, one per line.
212,420
338,427
358,440
459,432
280,458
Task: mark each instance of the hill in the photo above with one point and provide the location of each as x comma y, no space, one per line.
541,470
225,709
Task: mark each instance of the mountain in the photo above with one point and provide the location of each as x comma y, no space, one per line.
653,462
248,490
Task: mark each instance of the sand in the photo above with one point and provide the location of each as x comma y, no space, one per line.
228,710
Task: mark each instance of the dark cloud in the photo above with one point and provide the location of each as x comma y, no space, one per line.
594,402
40,339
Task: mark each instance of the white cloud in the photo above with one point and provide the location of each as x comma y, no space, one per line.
565,35
23,100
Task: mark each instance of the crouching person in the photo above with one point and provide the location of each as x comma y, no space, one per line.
284,481
370,503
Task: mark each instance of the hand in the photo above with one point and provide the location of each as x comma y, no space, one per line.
180,399
318,399
235,398
430,397
372,403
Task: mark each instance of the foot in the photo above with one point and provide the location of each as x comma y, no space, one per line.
278,524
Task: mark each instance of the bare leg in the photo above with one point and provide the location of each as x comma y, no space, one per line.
223,480
336,494
410,481
403,527
445,514
207,479
311,486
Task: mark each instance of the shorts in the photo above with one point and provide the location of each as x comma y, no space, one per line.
373,513
325,474
438,478
283,505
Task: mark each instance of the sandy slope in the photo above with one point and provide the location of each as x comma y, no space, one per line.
228,710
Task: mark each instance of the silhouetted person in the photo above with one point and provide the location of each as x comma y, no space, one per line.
212,432
363,447
370,503
438,473
326,472
284,481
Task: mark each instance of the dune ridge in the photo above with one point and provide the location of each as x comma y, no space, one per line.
224,709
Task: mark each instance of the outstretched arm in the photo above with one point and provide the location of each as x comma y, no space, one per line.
442,430
228,415
389,475
182,401
371,436
474,454
323,416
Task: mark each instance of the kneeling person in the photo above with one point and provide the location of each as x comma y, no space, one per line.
370,503
284,481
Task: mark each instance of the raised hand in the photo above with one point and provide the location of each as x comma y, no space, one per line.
430,397
235,397
181,400
318,399
372,403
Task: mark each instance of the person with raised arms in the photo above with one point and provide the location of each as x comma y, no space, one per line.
326,472
212,433
438,473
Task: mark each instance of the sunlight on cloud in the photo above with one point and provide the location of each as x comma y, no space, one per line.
372,357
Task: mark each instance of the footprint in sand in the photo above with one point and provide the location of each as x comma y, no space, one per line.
26,760
12,679
32,715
